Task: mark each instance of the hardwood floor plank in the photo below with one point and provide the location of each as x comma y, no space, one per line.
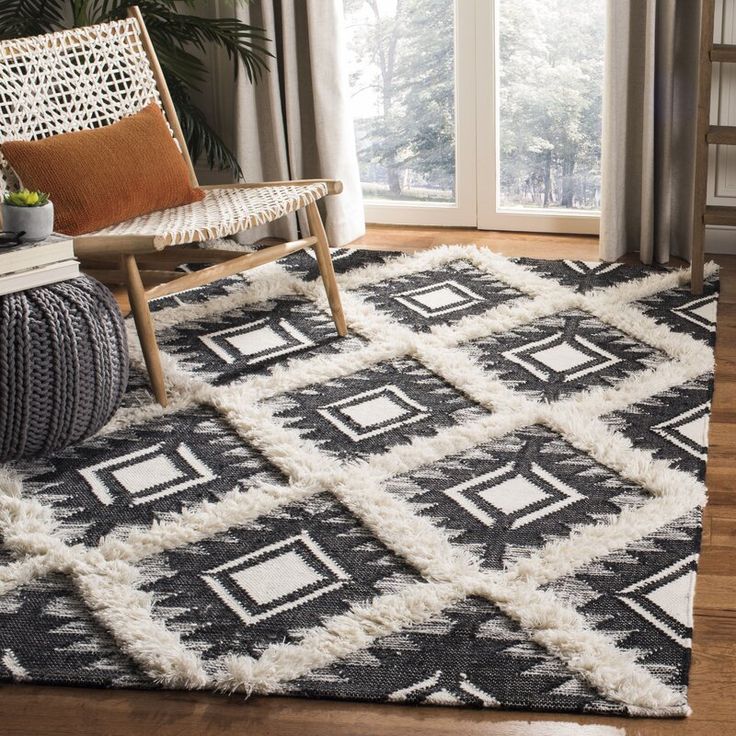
717,560
715,593
722,530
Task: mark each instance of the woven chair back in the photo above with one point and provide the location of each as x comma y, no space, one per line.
71,80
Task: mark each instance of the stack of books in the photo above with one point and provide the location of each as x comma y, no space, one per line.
29,265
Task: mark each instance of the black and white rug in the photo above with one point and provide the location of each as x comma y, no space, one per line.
488,495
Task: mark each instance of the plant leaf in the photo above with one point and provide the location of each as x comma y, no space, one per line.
181,39
20,18
201,139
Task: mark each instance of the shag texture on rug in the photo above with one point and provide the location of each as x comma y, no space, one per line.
488,495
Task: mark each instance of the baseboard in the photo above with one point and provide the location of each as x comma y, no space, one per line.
720,240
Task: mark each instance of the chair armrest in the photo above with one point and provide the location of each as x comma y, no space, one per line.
334,186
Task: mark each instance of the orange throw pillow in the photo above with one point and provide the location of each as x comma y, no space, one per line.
106,175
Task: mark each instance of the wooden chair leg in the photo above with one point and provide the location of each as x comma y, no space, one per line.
144,327
326,270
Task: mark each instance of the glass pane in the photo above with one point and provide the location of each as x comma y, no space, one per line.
402,79
550,82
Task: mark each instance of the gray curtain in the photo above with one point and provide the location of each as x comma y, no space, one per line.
649,106
296,123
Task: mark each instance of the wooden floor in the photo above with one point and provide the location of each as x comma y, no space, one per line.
27,710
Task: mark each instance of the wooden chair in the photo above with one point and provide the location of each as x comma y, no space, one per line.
92,76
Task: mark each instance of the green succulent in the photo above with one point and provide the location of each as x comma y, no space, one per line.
26,198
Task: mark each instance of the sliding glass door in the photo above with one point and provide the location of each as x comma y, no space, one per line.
540,83
478,112
412,84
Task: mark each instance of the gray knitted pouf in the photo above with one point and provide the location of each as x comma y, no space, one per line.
63,365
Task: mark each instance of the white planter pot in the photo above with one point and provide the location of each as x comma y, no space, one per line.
36,222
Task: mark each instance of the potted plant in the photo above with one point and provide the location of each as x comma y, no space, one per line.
183,41
28,212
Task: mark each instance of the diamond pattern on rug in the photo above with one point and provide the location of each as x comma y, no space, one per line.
375,409
271,580
680,310
469,655
233,345
143,473
673,424
64,645
586,276
505,498
555,357
421,300
642,596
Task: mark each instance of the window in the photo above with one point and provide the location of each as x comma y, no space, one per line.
402,77
478,112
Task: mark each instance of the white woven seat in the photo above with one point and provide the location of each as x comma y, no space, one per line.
93,76
221,213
